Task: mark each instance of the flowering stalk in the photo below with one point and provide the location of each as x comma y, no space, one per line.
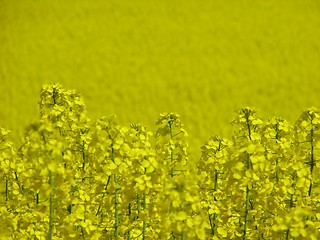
51,206
247,114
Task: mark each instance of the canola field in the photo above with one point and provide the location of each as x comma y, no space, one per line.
188,156
136,59
74,178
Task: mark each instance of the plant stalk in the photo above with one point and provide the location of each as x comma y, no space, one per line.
51,206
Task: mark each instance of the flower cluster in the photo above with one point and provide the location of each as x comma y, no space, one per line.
264,183
73,178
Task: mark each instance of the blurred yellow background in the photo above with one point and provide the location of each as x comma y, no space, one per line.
137,59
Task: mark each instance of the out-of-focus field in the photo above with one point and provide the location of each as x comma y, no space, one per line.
137,59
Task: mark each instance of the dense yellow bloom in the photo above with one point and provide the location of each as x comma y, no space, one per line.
73,178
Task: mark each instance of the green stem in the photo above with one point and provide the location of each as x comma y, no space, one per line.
83,156
213,219
7,190
51,206
144,221
37,198
216,174
277,172
277,160
244,237
247,113
287,234
138,203
83,234
291,206
103,195
311,160
291,195
212,225
116,203
171,152
129,215
246,212
116,209
18,182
